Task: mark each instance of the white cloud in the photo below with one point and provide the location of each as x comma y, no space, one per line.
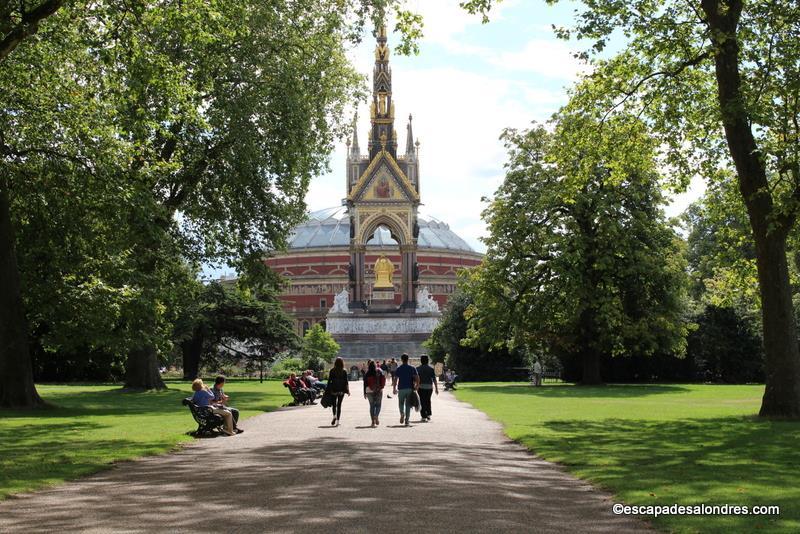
545,57
458,117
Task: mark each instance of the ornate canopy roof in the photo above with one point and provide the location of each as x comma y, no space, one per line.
331,228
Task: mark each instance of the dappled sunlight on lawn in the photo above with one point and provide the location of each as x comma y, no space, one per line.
660,444
88,427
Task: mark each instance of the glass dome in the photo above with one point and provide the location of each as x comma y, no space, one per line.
331,228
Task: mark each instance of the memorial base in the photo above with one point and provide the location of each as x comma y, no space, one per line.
380,335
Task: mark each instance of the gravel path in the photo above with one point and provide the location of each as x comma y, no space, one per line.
292,472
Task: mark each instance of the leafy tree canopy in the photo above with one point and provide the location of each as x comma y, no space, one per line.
319,348
719,81
580,258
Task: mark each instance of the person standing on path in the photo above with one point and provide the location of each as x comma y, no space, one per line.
374,382
338,386
405,381
537,373
427,383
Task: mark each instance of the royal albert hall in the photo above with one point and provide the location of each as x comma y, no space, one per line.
336,249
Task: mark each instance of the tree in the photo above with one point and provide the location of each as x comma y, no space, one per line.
580,259
19,22
719,81
471,361
207,120
724,347
226,320
318,347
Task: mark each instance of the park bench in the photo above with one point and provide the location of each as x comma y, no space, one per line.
208,423
300,396
555,375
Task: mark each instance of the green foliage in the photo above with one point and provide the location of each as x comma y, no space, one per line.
285,366
580,259
226,325
724,347
660,444
319,348
137,137
717,82
721,252
469,362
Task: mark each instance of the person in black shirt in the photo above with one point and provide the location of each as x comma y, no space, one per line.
338,386
427,384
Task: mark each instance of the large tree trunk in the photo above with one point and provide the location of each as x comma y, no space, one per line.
141,370
781,354
590,357
192,349
591,368
781,350
16,372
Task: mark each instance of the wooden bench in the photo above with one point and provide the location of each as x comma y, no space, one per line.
300,396
555,375
208,423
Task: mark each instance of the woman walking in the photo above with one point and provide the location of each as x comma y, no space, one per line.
338,385
374,381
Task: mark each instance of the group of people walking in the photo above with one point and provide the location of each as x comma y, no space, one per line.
410,384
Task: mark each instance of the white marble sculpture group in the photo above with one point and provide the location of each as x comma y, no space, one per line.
426,302
341,302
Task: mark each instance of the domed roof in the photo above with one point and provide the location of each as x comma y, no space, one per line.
331,228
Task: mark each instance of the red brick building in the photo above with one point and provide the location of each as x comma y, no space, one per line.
316,262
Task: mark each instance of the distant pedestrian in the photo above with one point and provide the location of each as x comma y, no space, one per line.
405,381
374,382
392,370
427,385
537,373
338,386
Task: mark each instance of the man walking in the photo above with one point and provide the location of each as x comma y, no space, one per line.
427,383
404,382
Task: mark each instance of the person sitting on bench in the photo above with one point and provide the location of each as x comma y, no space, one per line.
304,393
204,398
222,399
313,381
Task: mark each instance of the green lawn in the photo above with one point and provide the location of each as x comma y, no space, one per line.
92,426
660,444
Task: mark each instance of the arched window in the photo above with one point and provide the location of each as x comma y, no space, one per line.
306,326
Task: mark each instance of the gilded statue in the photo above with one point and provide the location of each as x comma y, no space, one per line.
383,273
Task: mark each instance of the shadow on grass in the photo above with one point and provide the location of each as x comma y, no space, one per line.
734,460
115,401
609,391
38,454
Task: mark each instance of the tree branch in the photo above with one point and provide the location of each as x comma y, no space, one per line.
27,26
667,73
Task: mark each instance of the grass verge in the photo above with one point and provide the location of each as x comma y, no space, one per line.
92,426
660,444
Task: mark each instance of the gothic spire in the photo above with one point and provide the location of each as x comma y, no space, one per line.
409,138
382,134
354,149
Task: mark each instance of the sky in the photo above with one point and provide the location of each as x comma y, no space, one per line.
469,82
